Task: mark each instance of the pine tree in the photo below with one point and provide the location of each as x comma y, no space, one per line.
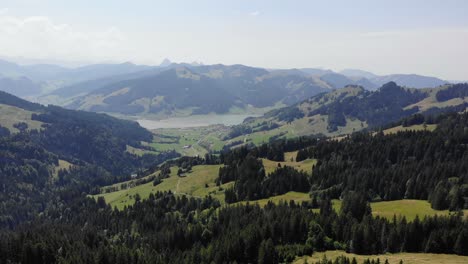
267,253
461,244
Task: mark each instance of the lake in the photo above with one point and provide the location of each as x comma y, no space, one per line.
193,121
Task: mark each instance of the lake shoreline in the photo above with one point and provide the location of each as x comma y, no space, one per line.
195,121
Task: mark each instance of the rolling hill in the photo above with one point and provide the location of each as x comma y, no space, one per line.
79,137
350,109
409,80
372,81
19,86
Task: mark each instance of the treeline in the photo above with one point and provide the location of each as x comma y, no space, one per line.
251,182
169,229
9,99
454,91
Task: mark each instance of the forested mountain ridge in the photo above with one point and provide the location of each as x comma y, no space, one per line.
353,108
80,136
200,90
94,146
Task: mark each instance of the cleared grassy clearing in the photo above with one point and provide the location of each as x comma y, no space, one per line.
138,151
407,208
200,182
430,127
63,164
408,258
400,208
305,165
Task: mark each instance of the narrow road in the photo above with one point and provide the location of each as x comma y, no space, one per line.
177,187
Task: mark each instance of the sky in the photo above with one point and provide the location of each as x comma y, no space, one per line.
412,36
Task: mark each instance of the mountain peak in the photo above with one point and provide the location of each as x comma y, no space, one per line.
166,62
357,73
196,63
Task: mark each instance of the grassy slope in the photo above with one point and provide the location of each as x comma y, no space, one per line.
408,258
300,127
10,115
431,100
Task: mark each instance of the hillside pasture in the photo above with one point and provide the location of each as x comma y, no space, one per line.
199,182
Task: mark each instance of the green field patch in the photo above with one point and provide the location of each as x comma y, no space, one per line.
139,151
290,156
62,165
297,197
407,258
305,165
407,208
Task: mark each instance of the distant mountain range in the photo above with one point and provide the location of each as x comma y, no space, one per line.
44,77
188,88
200,90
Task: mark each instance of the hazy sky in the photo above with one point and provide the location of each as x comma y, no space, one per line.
426,37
